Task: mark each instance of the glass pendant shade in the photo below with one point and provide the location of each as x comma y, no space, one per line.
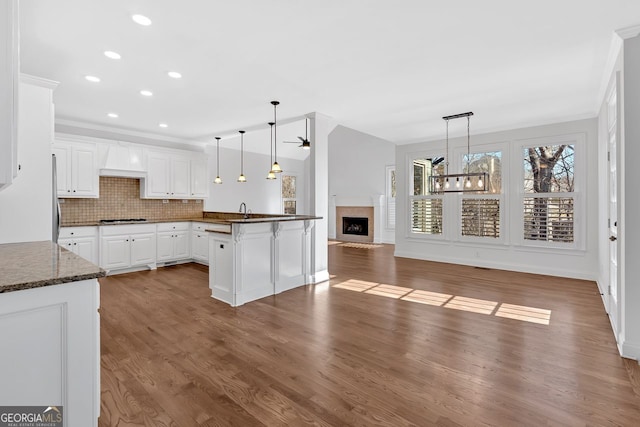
218,180
275,168
271,174
242,178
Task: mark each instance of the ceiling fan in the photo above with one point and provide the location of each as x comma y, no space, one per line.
306,144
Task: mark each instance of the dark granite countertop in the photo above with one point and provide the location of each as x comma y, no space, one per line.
215,218
36,264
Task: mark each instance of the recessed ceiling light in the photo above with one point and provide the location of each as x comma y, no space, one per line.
141,19
111,54
112,115
93,79
163,125
174,75
146,93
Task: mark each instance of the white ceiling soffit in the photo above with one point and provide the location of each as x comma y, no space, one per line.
390,69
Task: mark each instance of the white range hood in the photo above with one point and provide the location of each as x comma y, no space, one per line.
122,159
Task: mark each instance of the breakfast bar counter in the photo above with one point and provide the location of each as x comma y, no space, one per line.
261,256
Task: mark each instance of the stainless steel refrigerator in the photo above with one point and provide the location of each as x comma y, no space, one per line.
56,203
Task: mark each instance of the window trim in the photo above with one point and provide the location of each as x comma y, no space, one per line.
288,199
578,140
504,148
390,201
410,234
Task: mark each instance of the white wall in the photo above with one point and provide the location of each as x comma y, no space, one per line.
260,194
26,205
510,254
357,171
629,226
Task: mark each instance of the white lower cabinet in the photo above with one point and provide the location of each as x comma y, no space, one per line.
173,241
82,241
126,246
51,350
199,243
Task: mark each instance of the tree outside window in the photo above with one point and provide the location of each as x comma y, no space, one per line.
289,194
549,193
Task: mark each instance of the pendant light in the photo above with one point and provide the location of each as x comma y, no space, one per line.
242,178
218,180
271,174
463,181
275,167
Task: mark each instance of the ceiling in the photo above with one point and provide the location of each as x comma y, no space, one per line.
387,68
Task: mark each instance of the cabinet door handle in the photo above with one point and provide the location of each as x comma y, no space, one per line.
74,191
133,240
74,244
127,240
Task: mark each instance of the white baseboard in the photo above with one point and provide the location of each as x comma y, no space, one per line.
522,268
319,277
630,350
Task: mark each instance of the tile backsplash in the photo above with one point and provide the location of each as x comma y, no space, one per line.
120,198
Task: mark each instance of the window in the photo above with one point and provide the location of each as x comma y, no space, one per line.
289,194
391,197
480,213
426,208
549,199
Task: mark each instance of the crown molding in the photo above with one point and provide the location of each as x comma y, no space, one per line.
110,132
38,81
615,48
628,32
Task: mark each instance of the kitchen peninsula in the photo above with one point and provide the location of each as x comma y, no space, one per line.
261,255
50,330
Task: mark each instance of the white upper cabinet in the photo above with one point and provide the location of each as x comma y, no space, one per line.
199,179
77,169
180,177
174,175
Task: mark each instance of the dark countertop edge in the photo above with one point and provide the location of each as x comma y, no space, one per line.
151,221
204,220
273,219
50,282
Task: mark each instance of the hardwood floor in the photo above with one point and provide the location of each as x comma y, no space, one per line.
389,341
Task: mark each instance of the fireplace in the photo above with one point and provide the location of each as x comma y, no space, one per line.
355,225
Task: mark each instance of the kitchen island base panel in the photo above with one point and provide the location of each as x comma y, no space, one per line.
52,353
259,259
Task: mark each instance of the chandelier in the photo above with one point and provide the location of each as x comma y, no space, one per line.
459,182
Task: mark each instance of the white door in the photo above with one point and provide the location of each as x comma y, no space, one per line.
165,246
84,172
63,180
199,179
180,178
614,267
86,248
143,249
115,252
181,247
158,175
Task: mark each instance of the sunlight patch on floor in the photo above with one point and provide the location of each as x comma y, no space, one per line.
528,314
390,291
510,311
426,297
472,304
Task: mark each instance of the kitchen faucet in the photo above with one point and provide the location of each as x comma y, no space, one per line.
244,205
